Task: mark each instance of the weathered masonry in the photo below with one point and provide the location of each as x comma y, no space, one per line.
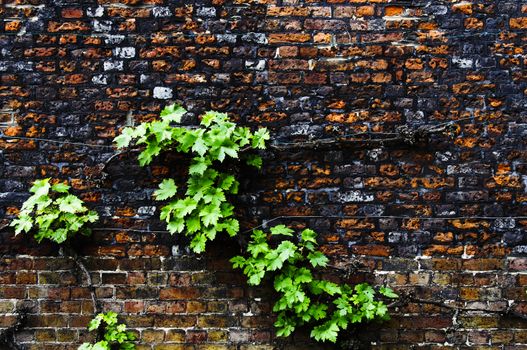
441,217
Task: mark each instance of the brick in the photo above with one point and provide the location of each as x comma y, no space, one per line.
72,12
179,293
289,38
307,70
518,23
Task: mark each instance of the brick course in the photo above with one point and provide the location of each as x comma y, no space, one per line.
425,218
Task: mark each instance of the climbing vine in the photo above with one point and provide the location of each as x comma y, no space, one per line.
201,210
53,212
114,334
304,298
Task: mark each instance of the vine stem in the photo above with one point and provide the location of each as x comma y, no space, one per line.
403,134
79,263
409,298
7,336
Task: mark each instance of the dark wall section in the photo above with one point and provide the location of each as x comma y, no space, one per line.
442,220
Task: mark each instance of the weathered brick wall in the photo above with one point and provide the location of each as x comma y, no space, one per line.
444,219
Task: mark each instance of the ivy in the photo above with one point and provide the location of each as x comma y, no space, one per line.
114,337
303,298
54,212
201,210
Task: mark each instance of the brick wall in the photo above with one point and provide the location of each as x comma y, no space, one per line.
442,221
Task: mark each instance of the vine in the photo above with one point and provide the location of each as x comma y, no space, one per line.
201,210
114,334
305,299
8,335
55,213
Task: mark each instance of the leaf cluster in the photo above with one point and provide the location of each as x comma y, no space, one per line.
304,299
55,213
115,334
201,210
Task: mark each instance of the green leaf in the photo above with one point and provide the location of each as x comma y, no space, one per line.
161,130
388,292
95,323
114,334
124,139
210,214
40,187
198,185
60,235
256,279
198,243
176,225
320,286
92,216
281,230
286,250
173,113
309,235
317,259
71,204
232,226
254,160
130,335
242,136
213,117
200,147
230,151
198,166
187,140
183,207
146,156
42,203
283,283
166,212
259,138
110,318
127,346
327,331
274,261
227,181
210,233
60,187
303,275
318,311
101,345
193,224
23,223
382,310
285,326
226,209
256,249
167,189
237,262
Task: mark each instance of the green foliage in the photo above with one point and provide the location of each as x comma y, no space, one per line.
115,334
201,210
304,299
54,212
